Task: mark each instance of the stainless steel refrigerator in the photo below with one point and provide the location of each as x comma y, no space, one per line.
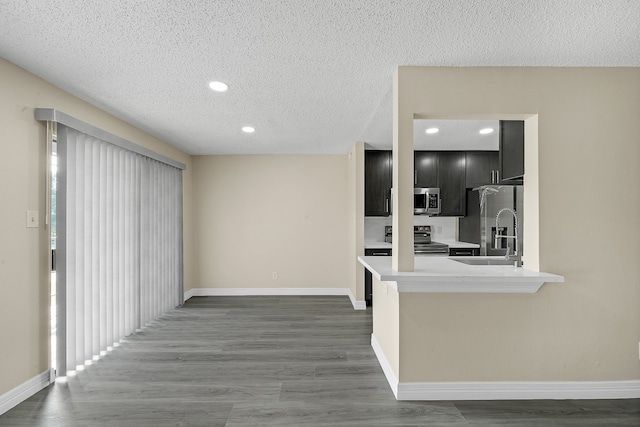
479,226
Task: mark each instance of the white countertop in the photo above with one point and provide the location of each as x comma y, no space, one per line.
377,244
445,275
456,244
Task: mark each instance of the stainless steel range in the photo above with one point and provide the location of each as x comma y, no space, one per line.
422,243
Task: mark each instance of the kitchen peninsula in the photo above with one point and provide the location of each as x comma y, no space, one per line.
453,274
444,330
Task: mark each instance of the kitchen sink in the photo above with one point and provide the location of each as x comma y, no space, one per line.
483,261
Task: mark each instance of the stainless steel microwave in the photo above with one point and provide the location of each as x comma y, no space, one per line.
426,201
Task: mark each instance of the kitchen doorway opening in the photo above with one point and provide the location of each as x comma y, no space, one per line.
531,200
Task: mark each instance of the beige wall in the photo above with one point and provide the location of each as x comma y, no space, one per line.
24,284
587,328
355,204
256,215
386,323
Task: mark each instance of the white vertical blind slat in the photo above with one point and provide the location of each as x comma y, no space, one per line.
127,295
144,249
80,255
121,256
95,250
71,253
163,241
109,242
169,239
87,352
115,283
157,283
169,278
137,246
120,332
147,238
103,206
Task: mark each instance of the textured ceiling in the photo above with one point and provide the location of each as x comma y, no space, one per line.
310,76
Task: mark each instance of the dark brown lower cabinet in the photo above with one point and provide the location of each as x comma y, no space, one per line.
368,278
464,251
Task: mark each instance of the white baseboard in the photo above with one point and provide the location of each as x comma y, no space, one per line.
23,391
525,390
505,390
386,367
188,294
357,305
218,292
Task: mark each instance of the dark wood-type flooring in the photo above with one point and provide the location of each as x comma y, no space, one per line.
270,361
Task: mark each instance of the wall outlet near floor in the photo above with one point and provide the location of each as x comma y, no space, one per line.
274,275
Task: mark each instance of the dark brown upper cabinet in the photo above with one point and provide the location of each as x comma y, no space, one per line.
482,168
425,169
377,183
451,180
512,151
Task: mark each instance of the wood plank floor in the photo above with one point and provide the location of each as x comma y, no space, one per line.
270,361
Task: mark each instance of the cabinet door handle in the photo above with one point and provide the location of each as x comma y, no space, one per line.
379,254
497,177
493,181
415,177
386,205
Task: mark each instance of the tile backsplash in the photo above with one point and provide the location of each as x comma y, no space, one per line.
443,228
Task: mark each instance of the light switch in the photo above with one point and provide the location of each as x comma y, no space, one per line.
32,219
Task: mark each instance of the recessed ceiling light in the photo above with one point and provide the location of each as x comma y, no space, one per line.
486,131
219,86
248,129
432,130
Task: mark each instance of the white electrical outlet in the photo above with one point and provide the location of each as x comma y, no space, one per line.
32,219
274,275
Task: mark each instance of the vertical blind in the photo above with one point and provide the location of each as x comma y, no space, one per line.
119,248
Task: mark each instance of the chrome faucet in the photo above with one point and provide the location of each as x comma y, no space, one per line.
516,257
